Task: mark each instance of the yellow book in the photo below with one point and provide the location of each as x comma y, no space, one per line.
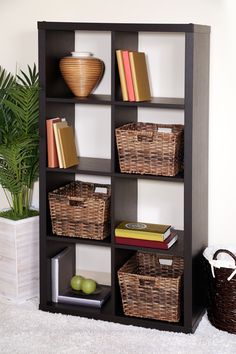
140,76
143,231
123,85
68,148
56,127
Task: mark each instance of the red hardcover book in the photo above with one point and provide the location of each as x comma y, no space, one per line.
51,144
128,75
165,245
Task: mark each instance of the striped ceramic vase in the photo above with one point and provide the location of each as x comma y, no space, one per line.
81,72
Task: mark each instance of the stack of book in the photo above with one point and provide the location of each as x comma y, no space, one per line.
133,74
145,235
61,149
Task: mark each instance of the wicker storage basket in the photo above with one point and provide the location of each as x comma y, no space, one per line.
142,149
77,210
221,306
150,289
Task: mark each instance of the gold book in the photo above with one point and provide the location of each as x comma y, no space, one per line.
123,85
140,76
68,148
143,231
56,127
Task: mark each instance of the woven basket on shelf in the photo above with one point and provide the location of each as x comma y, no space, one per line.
150,289
221,307
77,210
143,149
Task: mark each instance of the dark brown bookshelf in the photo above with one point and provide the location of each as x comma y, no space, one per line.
57,39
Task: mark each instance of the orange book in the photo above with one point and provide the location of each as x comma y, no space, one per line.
128,75
51,144
121,70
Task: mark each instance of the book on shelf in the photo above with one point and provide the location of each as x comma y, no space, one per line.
166,244
92,300
140,76
67,145
62,270
143,231
51,143
128,75
121,71
56,128
133,73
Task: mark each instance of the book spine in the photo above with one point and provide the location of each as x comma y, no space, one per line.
141,243
137,235
61,147
128,75
58,145
134,76
51,144
122,75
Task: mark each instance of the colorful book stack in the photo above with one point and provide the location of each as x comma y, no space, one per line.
145,235
133,74
61,147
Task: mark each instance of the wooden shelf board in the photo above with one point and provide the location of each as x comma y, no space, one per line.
105,313
87,165
156,102
104,243
150,323
178,178
123,27
91,99
85,311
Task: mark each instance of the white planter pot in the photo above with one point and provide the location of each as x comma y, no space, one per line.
19,258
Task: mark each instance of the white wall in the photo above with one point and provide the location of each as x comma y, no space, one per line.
18,43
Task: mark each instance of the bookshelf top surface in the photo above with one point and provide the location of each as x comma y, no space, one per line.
135,27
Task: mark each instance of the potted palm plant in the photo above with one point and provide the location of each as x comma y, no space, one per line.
19,164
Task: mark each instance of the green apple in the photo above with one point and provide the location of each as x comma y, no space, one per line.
76,282
88,286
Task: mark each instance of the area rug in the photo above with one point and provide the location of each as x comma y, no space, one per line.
26,330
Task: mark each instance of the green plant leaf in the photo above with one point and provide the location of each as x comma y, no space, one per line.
19,137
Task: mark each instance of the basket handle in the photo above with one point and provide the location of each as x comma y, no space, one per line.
145,136
224,251
75,201
146,283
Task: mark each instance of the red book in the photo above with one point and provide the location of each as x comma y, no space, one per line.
128,75
165,245
51,144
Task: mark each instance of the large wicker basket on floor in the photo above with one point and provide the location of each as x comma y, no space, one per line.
145,150
79,209
221,307
150,289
